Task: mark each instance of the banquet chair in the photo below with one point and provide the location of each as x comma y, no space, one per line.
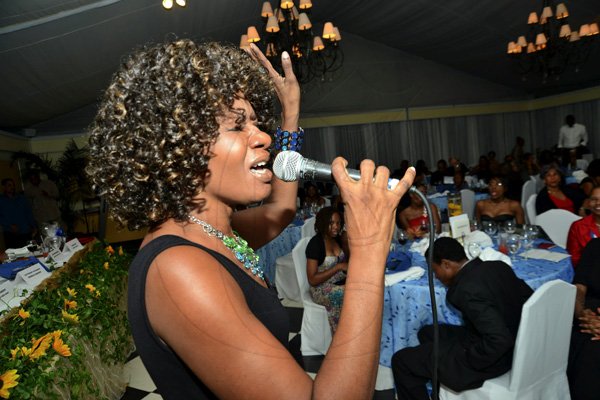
527,191
589,157
539,182
315,333
556,224
467,199
581,164
540,354
286,281
530,210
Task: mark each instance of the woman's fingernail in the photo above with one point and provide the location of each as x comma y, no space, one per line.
285,55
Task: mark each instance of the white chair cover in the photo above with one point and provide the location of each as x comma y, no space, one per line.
541,351
589,157
315,333
530,210
527,191
467,199
556,224
581,164
286,281
539,182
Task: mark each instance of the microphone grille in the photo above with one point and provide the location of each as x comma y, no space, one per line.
287,165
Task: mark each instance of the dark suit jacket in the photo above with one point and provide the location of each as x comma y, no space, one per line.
490,297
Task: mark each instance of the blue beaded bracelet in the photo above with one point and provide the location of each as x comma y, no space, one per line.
285,140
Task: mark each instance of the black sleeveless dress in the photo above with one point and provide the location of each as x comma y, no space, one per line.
172,377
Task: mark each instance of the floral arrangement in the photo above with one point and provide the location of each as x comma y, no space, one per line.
68,339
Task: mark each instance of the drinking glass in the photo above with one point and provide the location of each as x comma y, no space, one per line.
534,231
474,225
32,246
510,226
474,249
402,238
489,227
514,243
526,242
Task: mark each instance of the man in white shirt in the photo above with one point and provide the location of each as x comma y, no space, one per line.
571,137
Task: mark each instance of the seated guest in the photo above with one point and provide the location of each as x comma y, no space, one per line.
459,181
593,179
312,196
586,229
482,170
456,165
413,219
326,264
583,368
421,168
556,194
16,217
498,208
530,166
490,297
437,177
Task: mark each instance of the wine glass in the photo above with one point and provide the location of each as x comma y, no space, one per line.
526,242
474,225
513,243
489,227
402,238
474,249
510,226
534,231
32,246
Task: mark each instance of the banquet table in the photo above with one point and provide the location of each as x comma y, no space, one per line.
280,246
407,306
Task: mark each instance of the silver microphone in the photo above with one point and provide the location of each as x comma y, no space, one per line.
290,166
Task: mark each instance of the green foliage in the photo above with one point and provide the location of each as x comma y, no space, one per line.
100,336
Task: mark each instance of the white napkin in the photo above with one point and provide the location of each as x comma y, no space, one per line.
20,252
420,246
433,196
489,254
547,255
479,237
410,274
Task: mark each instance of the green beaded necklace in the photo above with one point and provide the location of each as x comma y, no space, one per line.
238,246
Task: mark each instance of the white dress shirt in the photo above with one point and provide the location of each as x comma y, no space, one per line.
572,136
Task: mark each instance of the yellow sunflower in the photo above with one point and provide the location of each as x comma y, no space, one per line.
106,265
60,347
110,250
120,250
90,287
70,304
24,314
8,381
40,346
72,292
70,317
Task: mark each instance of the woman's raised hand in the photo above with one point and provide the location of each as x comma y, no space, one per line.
287,86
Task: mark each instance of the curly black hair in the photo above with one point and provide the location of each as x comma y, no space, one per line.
150,141
323,219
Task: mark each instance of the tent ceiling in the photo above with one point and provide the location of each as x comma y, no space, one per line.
58,55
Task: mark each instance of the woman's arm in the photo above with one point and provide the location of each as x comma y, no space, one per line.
315,278
261,224
202,314
479,206
403,219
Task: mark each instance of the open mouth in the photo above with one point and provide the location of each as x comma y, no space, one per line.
260,168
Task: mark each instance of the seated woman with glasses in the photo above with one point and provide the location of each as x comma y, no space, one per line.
327,263
414,218
498,207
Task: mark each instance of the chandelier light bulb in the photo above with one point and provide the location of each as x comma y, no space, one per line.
318,44
521,41
561,11
167,4
267,10
285,4
304,22
338,36
565,31
180,3
593,28
279,14
530,48
272,24
511,47
253,34
328,32
540,39
305,4
584,30
533,18
547,12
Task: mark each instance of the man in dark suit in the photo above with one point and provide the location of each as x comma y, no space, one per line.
490,297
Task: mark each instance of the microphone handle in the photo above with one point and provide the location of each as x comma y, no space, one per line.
317,171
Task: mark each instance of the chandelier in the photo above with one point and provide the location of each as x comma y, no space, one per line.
168,4
289,29
550,46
